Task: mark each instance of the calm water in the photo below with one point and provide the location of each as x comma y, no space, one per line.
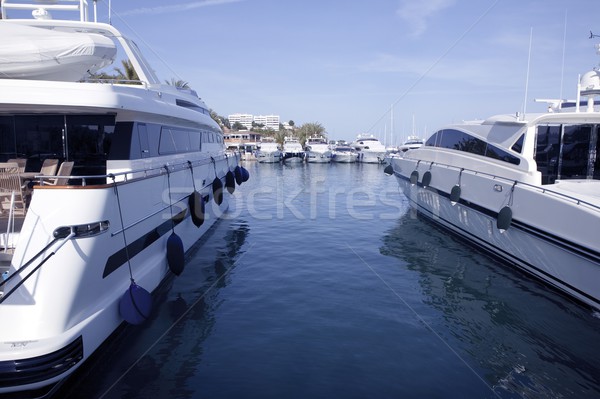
321,283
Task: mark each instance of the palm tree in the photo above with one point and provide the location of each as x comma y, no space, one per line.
129,75
180,84
310,129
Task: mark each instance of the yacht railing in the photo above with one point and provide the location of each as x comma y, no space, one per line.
543,190
135,174
80,6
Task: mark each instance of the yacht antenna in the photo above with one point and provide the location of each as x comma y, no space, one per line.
527,79
562,73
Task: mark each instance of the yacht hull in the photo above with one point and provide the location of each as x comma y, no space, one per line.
318,157
371,157
70,305
265,157
541,238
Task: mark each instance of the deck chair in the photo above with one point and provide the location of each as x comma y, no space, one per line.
64,170
10,183
49,167
22,162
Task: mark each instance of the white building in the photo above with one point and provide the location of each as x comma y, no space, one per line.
268,121
245,119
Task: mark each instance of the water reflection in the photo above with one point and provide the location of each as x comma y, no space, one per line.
158,358
523,338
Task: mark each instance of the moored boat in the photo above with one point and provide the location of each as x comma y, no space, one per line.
143,175
369,149
292,151
317,150
268,152
344,154
411,143
522,187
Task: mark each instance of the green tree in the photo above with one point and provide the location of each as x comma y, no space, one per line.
308,130
280,137
128,73
238,126
180,84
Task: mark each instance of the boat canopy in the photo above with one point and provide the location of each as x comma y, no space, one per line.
28,52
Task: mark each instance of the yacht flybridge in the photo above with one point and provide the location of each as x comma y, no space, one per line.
104,184
523,187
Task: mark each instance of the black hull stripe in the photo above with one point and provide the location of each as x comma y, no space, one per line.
506,256
580,250
119,258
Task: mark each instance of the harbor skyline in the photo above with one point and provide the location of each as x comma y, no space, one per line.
348,67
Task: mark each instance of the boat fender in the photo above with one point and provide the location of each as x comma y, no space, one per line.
426,179
175,256
230,182
196,204
135,304
389,170
178,218
245,174
238,175
217,188
504,219
455,194
414,177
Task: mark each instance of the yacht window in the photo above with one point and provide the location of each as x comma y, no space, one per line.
518,145
88,141
8,141
595,153
575,152
39,137
497,153
461,141
431,141
547,150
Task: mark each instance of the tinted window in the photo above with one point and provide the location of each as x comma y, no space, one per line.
575,152
518,145
497,153
431,141
547,150
461,141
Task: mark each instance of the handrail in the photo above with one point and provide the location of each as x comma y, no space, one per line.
20,283
156,171
520,183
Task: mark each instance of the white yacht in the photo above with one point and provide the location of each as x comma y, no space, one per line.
143,175
344,154
268,152
317,150
370,150
411,143
523,187
292,151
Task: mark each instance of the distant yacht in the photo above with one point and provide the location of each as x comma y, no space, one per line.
411,143
292,151
344,154
317,150
370,150
268,152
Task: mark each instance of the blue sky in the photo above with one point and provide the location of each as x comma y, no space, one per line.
347,64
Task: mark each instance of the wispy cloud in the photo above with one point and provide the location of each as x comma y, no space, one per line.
417,13
174,8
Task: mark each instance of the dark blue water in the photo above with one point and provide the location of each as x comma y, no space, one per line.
321,283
